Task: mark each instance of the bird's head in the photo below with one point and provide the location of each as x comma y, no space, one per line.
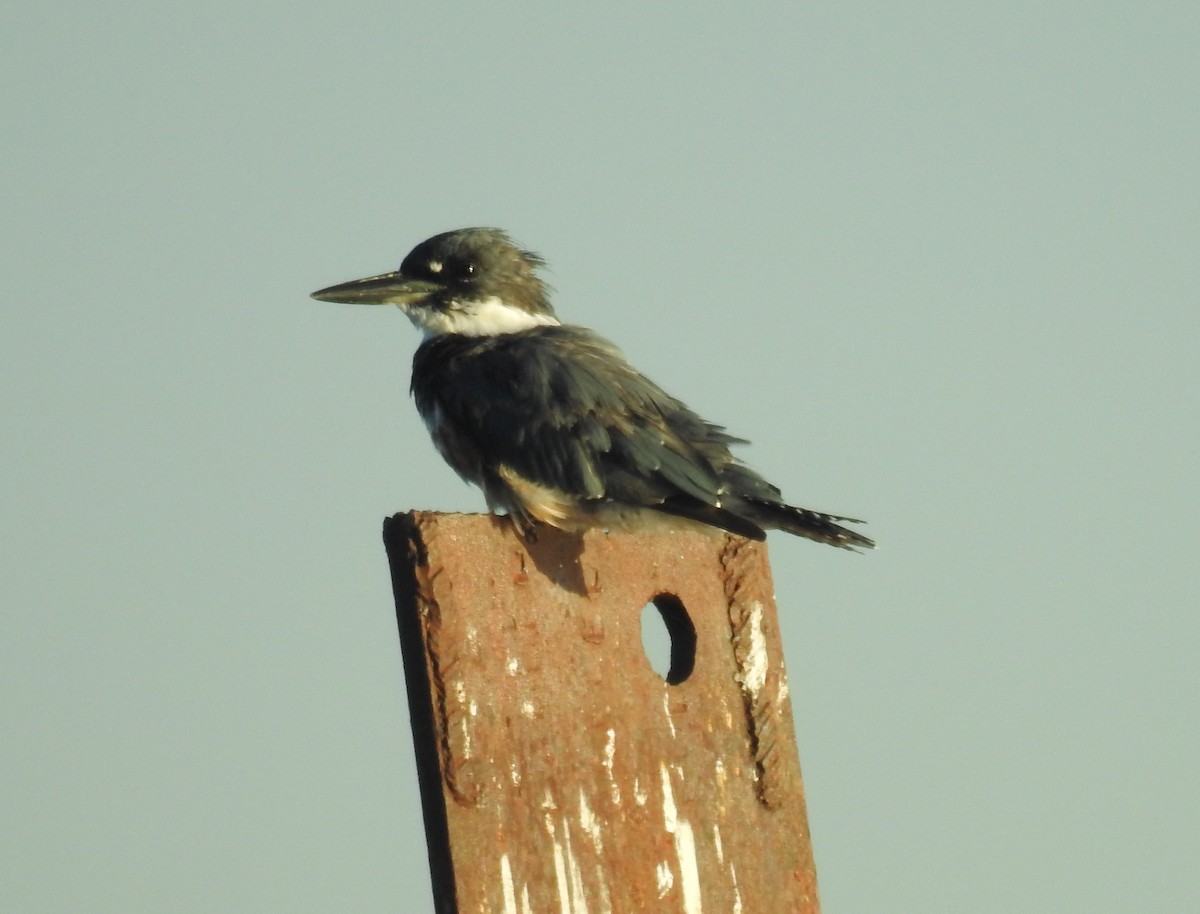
472,281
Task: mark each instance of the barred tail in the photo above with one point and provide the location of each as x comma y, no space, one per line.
824,528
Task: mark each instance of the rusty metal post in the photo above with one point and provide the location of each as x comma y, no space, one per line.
558,771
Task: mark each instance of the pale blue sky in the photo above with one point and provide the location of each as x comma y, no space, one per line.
939,261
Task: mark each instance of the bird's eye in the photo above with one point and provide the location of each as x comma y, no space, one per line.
468,269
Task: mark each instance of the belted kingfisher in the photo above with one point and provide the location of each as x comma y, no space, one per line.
549,419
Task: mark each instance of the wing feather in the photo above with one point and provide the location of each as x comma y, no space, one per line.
562,407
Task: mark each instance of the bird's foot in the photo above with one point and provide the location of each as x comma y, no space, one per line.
526,529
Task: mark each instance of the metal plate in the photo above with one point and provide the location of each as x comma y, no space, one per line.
559,772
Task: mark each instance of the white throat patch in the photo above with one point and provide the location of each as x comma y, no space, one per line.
487,317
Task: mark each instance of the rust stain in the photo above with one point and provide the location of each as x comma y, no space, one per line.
559,771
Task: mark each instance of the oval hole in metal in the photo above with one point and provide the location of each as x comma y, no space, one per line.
668,632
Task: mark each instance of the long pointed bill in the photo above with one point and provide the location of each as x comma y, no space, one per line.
385,289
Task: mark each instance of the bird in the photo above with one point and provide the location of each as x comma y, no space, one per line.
550,419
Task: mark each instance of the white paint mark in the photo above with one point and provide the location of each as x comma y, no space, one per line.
717,843
590,824
737,895
473,707
670,813
513,666
527,709
605,898
610,752
514,775
568,875
665,879
719,771
525,908
560,877
460,695
667,712
640,796
753,674
506,886
685,847
784,689
578,898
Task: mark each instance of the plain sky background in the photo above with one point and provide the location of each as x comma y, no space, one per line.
939,260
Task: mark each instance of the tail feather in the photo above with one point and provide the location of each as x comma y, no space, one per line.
824,528
739,522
